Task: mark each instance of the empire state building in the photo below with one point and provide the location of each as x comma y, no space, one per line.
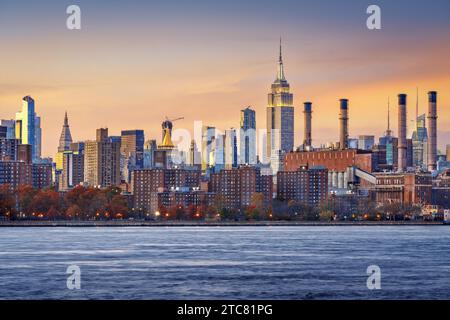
280,114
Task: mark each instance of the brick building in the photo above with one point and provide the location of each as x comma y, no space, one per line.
42,175
309,186
144,182
102,160
333,160
441,190
183,198
405,188
15,174
237,187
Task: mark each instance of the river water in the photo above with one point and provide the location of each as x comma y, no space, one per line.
226,262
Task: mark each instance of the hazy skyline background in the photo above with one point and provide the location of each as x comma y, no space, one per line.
134,63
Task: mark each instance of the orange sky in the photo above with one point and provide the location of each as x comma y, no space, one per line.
119,79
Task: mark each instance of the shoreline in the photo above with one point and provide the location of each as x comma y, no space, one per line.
84,224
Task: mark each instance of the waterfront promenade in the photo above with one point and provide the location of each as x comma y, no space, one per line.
142,223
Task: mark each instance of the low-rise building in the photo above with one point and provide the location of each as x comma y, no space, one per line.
404,188
441,190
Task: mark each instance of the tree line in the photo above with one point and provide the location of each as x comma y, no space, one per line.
87,203
80,203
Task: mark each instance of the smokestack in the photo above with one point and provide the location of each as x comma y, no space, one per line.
343,120
432,130
307,142
402,146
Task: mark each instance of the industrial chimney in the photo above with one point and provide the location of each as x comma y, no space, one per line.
307,142
343,120
432,130
402,146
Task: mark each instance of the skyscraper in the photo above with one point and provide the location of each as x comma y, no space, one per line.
248,136
66,138
28,127
208,147
194,155
72,173
280,114
131,151
390,142
149,149
132,143
64,143
10,126
366,142
230,149
420,142
102,160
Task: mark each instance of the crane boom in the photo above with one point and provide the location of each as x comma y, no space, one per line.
172,120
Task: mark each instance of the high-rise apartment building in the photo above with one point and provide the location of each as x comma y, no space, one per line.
306,185
236,188
145,182
42,177
72,167
15,174
102,160
8,148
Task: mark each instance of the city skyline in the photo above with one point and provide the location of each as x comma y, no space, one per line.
134,84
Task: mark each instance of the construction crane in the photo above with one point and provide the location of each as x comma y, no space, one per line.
173,120
168,124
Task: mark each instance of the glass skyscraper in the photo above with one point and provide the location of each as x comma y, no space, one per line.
248,136
420,143
28,127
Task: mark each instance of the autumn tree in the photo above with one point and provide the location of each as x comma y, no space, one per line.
7,201
74,211
46,202
118,205
26,195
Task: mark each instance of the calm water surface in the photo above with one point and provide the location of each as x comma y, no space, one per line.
226,262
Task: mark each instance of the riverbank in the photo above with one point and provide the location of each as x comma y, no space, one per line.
135,223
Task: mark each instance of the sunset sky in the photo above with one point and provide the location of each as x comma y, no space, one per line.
135,62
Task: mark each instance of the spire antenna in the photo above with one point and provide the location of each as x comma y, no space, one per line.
281,55
280,75
388,131
417,107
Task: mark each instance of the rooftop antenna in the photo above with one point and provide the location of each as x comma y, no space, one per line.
388,131
417,107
